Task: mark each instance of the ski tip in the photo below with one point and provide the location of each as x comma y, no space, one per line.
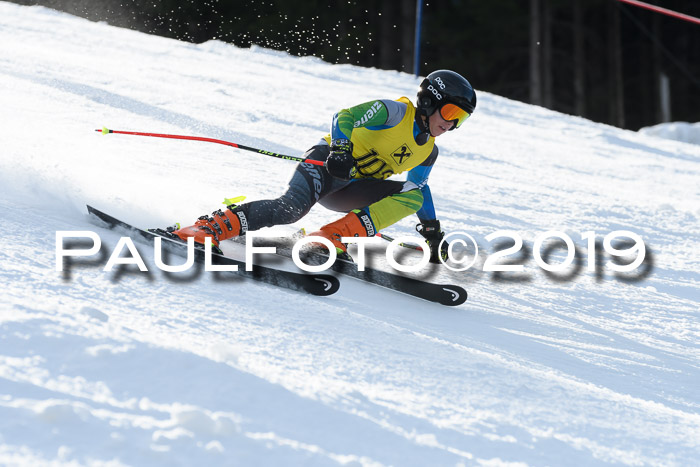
456,295
323,285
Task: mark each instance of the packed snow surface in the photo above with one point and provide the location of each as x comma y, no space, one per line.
138,368
679,131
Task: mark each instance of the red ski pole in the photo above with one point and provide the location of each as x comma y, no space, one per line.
106,131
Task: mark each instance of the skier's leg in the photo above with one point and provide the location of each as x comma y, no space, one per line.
387,203
308,184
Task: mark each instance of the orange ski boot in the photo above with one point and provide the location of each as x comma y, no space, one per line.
355,224
220,226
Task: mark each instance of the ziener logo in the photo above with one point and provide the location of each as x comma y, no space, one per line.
371,112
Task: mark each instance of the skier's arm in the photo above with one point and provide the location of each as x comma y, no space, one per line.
429,226
375,115
419,175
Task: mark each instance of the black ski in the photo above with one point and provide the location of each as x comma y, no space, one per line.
315,284
445,294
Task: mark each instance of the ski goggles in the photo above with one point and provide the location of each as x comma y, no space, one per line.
451,112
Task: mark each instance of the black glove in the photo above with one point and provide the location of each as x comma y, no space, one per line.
340,162
430,230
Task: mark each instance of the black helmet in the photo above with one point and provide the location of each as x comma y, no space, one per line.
442,87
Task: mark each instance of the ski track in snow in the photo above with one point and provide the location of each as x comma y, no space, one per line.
138,369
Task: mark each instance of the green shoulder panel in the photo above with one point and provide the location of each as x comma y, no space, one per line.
373,113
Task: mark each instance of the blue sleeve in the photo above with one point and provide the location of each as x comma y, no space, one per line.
419,176
336,132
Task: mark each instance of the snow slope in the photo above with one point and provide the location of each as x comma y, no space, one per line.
140,369
679,131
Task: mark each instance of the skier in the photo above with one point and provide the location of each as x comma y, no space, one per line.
367,144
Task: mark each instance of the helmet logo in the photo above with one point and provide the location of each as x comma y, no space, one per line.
438,80
435,91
